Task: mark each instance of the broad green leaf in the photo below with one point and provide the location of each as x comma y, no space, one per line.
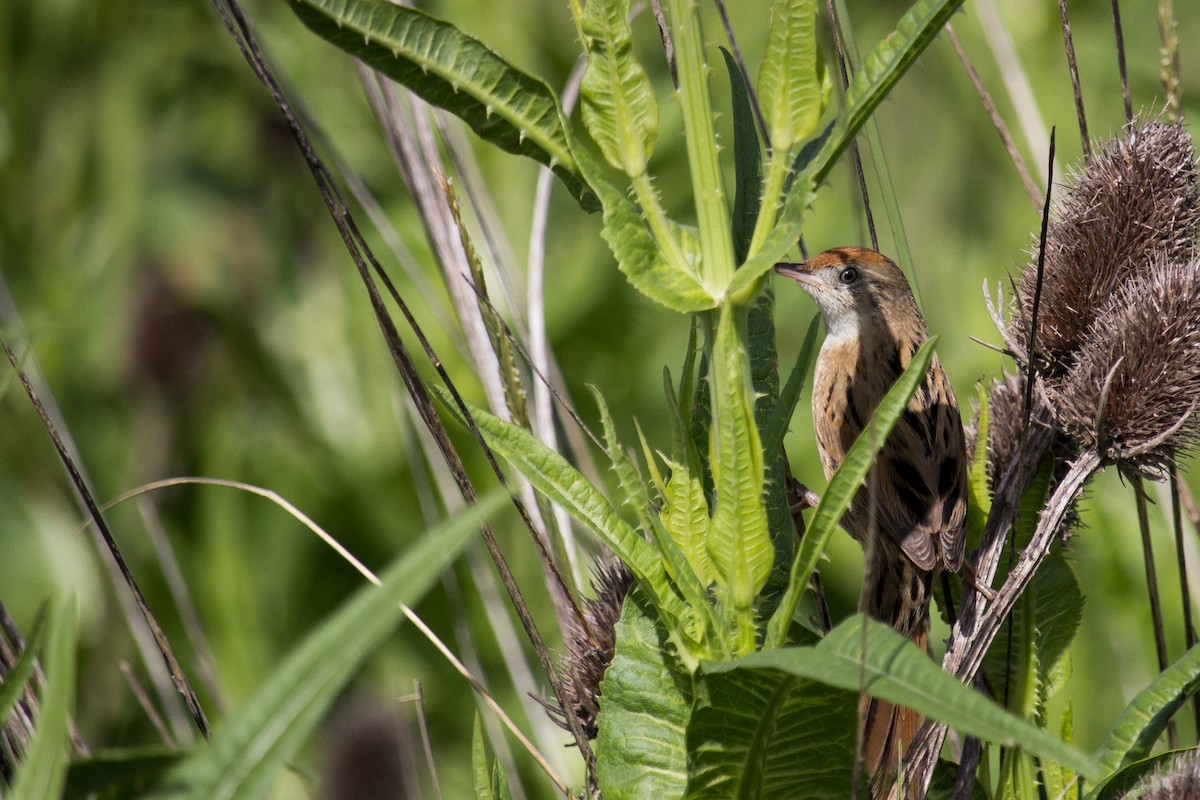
738,540
789,81
119,774
879,74
557,480
618,103
43,771
764,383
505,106
1009,661
645,702
257,741
764,733
892,668
639,255
14,682
1138,727
685,514
842,488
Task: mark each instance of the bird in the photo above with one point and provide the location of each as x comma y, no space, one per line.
910,514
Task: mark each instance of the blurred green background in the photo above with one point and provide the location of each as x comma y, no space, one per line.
169,269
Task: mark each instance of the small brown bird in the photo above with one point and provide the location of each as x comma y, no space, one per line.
910,515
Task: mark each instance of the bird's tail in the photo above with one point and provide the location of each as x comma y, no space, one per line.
898,594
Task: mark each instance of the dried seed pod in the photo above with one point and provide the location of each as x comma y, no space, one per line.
1135,388
1137,195
1006,421
1179,780
584,663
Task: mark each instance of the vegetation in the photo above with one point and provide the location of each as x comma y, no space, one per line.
177,303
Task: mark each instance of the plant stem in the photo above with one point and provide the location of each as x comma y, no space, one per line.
716,239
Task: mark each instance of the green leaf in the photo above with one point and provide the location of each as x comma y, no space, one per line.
764,733
789,81
783,237
257,741
1117,786
892,668
14,682
479,764
675,285
685,514
747,161
738,539
879,74
843,486
979,503
557,480
43,772
618,103
505,106
764,382
1139,725
635,493
781,417
645,703
119,774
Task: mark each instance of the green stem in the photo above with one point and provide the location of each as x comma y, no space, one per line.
712,215
777,171
660,226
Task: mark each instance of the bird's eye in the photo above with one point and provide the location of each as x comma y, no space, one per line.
848,276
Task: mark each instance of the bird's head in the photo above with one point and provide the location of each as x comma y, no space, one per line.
856,289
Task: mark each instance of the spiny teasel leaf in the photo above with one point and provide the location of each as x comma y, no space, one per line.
1135,388
1180,779
584,663
1136,196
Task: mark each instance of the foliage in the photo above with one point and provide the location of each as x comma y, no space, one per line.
716,667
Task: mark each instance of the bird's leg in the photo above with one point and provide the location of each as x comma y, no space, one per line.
800,496
971,577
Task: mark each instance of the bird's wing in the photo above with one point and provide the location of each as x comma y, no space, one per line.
923,477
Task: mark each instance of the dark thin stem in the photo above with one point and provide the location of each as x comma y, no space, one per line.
1031,374
1074,69
366,264
1119,34
737,57
856,156
1160,634
993,113
1185,592
160,639
968,765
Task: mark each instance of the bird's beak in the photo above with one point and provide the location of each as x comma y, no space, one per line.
800,273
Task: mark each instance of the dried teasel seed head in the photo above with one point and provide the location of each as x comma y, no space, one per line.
1135,388
1180,780
1135,196
584,663
1006,422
